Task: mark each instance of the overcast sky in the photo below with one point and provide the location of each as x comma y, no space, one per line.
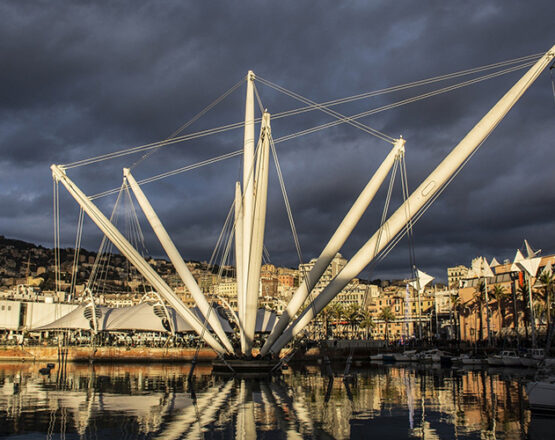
80,79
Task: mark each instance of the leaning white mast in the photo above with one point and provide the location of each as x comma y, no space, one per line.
335,243
127,249
417,201
210,314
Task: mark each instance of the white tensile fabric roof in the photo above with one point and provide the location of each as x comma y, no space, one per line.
79,319
142,317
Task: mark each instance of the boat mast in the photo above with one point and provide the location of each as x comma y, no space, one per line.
127,249
209,313
417,201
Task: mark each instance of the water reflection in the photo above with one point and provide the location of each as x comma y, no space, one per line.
157,402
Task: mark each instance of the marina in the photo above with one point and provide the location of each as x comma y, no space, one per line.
158,401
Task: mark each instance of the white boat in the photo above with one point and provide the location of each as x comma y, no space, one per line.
472,359
541,394
532,358
406,356
435,356
512,360
376,357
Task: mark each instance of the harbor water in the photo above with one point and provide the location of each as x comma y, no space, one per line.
156,401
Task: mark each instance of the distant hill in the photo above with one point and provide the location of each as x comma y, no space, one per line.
18,244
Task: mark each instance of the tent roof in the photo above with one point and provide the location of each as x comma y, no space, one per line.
79,319
143,317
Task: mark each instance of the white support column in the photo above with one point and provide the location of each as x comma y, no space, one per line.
248,187
181,268
418,199
334,245
240,273
135,258
259,223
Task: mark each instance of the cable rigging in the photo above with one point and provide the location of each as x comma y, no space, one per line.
526,61
239,152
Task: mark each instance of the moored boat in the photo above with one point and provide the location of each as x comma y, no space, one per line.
498,360
511,359
541,395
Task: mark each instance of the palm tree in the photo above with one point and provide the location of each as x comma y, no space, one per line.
479,298
366,322
387,316
547,279
523,291
325,314
453,312
352,314
336,313
499,293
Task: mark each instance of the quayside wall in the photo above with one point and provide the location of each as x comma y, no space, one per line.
331,349
105,354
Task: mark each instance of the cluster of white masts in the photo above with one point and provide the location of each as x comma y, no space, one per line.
250,217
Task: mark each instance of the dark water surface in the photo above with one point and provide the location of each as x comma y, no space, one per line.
154,402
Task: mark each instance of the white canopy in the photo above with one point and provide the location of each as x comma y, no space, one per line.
80,319
528,265
421,281
143,317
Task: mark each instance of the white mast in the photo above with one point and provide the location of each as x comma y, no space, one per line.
335,243
181,268
259,223
135,258
248,192
239,262
418,199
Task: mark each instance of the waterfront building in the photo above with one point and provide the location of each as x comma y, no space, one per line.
407,316
455,275
507,305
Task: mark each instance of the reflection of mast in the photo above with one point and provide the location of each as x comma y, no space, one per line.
410,400
187,420
290,411
210,412
246,426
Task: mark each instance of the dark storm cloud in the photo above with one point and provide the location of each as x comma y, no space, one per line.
80,79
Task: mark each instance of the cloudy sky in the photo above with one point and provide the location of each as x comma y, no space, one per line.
80,79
